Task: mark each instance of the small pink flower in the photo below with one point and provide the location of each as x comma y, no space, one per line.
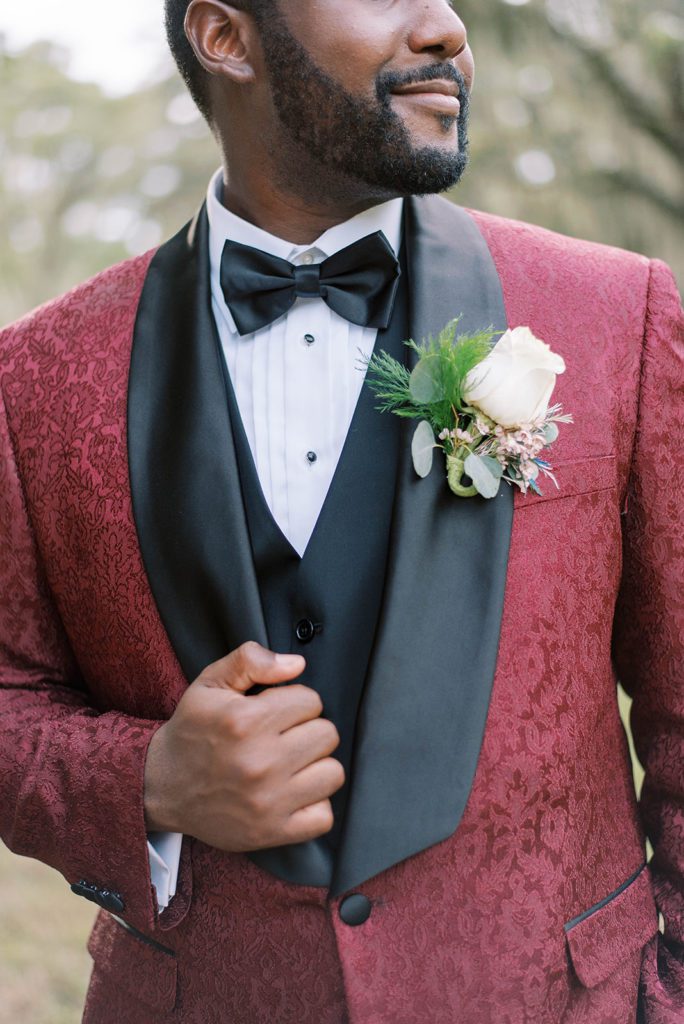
529,470
443,434
463,435
512,446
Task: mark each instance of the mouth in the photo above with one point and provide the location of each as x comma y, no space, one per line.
439,96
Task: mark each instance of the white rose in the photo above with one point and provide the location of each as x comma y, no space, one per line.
513,385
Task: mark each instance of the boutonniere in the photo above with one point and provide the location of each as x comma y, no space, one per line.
485,403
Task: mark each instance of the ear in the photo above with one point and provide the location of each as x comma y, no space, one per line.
223,38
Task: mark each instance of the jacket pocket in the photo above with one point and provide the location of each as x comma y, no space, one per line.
144,967
600,938
585,476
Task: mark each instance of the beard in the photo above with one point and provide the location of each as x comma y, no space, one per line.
359,140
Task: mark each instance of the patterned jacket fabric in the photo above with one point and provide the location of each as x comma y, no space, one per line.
537,909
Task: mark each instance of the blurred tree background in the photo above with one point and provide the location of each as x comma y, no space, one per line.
577,124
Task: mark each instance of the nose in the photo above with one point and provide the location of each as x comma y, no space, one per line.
437,29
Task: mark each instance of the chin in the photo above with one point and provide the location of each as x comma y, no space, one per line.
443,137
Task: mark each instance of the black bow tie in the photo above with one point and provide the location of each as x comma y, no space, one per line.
358,282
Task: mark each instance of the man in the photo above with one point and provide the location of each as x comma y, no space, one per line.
377,722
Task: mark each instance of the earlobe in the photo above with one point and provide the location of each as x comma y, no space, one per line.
222,38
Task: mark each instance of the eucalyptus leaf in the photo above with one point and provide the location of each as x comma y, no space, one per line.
422,448
485,473
492,465
425,383
550,433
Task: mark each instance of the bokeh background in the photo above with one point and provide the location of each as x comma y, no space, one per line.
577,124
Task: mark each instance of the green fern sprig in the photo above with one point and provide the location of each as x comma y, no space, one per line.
388,380
444,363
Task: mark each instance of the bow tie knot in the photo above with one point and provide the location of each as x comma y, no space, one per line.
359,283
307,280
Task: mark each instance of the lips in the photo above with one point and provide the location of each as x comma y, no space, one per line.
438,95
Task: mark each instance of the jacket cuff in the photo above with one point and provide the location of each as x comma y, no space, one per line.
80,807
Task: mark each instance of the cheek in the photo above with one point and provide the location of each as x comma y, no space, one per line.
354,49
466,65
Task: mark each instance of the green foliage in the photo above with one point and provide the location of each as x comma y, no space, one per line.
389,381
433,391
577,119
576,125
88,179
486,474
423,448
452,357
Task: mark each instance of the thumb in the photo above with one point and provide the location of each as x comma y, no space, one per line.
250,664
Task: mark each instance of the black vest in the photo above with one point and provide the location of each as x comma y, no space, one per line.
325,604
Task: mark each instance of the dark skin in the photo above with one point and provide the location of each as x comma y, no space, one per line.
239,771
244,772
373,35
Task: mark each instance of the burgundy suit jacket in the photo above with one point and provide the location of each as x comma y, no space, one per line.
539,907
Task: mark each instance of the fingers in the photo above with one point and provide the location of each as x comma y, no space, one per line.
287,706
315,783
310,822
249,664
309,742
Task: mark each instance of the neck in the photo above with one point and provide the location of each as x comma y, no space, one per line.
301,221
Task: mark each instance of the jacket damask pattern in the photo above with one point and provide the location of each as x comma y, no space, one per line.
538,908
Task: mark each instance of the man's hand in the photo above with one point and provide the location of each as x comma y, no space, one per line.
244,772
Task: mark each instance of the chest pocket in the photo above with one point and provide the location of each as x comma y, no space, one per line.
583,476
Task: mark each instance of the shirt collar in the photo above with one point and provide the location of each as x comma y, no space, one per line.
223,225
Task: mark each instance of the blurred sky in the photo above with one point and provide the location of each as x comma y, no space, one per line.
119,45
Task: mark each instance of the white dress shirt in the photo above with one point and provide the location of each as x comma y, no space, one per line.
297,382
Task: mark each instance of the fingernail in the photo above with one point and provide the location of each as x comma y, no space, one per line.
288,660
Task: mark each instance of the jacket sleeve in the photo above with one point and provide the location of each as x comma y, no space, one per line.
649,632
71,778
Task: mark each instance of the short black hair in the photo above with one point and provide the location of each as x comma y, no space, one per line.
192,72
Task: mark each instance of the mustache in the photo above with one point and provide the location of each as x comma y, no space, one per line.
388,81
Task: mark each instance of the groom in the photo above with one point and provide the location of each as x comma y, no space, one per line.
323,741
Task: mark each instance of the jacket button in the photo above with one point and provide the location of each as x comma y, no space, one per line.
102,897
304,631
111,901
355,909
81,889
85,889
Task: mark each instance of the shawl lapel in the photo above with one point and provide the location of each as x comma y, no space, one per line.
429,685
185,486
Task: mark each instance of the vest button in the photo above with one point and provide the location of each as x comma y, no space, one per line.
304,631
355,909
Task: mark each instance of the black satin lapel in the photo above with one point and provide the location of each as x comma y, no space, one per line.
427,694
187,502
